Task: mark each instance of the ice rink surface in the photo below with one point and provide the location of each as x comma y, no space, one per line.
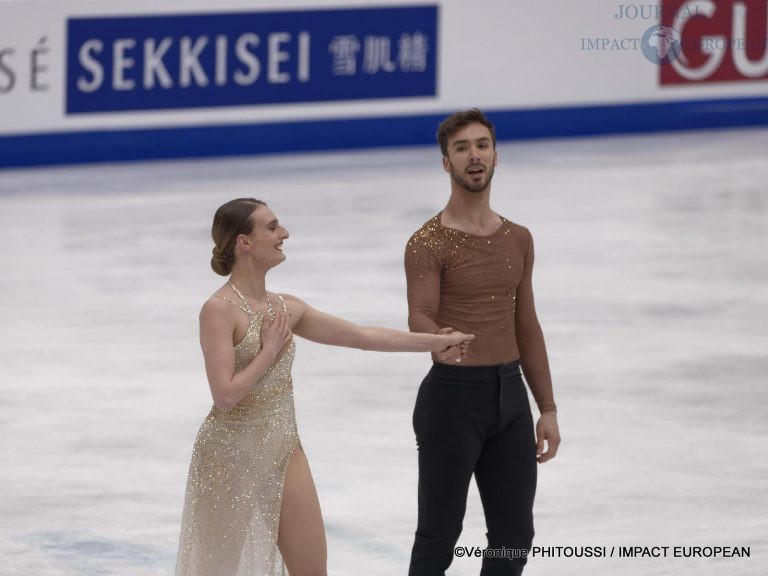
651,284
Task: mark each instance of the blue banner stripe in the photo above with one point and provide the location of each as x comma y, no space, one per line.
337,134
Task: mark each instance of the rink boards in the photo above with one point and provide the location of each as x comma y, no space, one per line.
80,82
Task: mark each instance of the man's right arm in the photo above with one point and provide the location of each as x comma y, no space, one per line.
422,275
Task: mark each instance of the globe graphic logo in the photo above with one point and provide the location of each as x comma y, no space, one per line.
661,44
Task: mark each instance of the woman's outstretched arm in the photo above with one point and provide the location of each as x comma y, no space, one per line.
328,329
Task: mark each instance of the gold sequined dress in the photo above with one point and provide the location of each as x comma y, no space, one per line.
235,485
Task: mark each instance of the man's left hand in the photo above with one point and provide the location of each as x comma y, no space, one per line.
547,432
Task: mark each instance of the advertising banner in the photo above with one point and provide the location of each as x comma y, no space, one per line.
250,58
723,41
92,81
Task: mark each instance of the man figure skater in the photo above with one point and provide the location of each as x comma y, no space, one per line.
470,269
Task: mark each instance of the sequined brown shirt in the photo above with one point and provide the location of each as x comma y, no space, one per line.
480,285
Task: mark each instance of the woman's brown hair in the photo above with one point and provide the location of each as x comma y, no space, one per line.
230,220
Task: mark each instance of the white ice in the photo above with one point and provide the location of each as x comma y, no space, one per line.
651,285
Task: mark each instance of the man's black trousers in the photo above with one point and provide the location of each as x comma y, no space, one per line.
474,420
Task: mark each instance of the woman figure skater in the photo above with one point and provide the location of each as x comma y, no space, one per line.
250,506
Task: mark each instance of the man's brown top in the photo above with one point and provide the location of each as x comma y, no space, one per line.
480,285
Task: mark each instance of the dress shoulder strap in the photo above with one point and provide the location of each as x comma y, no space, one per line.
282,301
246,307
235,304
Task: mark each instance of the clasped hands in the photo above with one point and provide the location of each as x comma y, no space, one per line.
453,354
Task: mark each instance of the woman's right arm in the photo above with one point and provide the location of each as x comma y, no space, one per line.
328,329
217,326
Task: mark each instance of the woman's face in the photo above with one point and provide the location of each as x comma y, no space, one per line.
265,243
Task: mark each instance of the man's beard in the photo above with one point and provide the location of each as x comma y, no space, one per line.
471,186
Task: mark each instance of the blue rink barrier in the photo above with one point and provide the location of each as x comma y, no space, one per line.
339,134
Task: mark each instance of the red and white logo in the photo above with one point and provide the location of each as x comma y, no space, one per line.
722,41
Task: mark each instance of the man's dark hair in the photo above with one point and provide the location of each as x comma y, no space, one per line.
459,120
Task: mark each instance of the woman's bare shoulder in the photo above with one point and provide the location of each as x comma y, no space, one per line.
294,304
291,298
294,301
219,303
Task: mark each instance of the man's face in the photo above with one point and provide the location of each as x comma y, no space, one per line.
471,158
